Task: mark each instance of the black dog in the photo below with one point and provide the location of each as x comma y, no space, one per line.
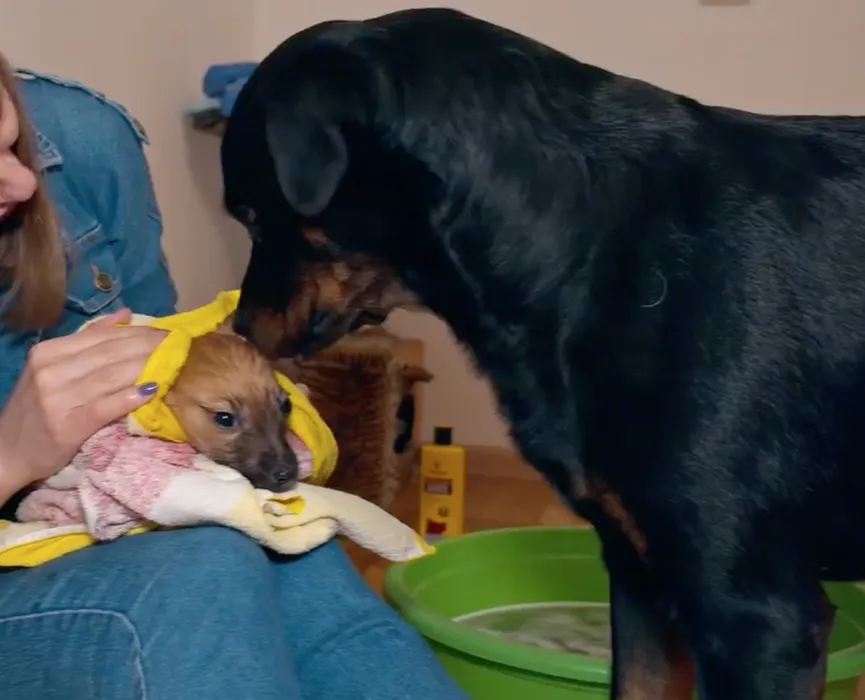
669,299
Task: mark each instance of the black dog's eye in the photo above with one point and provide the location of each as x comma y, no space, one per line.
249,218
224,419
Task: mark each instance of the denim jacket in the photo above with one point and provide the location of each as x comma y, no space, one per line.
92,160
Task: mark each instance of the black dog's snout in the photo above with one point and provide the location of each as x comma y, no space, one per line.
320,321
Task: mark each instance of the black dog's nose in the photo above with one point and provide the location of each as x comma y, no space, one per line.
242,323
320,321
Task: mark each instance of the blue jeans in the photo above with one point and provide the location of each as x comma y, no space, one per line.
205,613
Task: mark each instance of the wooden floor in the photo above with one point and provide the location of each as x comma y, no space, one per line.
500,492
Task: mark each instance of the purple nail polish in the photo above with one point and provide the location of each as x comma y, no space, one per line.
148,389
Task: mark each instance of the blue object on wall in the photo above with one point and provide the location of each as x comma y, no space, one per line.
224,81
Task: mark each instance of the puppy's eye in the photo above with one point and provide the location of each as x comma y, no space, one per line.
224,419
284,405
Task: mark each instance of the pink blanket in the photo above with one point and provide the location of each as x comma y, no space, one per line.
117,478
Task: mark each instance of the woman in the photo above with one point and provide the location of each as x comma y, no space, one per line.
202,612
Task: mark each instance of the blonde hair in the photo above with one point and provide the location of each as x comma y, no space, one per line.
32,261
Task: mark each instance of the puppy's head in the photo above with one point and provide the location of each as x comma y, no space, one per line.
233,411
330,208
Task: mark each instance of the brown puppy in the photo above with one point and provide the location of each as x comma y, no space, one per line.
232,410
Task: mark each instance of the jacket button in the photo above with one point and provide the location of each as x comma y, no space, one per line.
102,280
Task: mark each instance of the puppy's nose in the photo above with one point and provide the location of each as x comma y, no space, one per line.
281,480
242,323
284,476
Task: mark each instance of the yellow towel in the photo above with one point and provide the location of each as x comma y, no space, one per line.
197,490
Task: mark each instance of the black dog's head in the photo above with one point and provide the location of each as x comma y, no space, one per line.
327,204
392,162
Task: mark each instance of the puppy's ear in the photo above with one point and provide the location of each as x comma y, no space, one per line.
310,158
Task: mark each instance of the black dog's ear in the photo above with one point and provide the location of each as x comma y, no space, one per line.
310,158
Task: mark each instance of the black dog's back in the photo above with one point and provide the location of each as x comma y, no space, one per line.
724,255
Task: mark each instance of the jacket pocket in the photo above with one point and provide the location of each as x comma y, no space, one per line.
93,276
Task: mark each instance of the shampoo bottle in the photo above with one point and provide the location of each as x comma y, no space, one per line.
442,486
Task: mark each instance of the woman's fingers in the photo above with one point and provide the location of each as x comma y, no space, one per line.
120,373
90,377
89,340
99,364
61,371
86,385
97,399
107,408
111,320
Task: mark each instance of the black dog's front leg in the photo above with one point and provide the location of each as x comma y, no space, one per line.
760,643
650,660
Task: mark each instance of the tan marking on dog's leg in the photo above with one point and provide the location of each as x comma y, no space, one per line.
675,681
315,236
615,509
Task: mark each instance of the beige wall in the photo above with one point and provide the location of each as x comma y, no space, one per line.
151,55
773,55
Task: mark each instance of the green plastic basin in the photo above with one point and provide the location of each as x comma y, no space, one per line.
519,566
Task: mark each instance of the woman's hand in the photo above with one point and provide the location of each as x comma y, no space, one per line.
69,389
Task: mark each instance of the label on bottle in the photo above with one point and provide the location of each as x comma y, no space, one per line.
440,487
